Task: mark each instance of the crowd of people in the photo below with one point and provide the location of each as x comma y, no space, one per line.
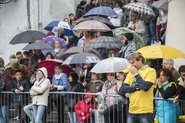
139,83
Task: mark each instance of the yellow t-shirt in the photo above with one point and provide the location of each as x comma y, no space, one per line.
141,101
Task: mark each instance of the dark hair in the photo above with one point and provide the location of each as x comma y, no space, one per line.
50,33
49,53
1,62
129,36
18,71
167,73
58,65
182,68
83,2
119,2
74,76
26,53
18,53
71,14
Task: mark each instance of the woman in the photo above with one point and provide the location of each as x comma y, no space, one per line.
49,56
116,21
58,51
166,110
110,88
74,86
40,92
59,84
130,46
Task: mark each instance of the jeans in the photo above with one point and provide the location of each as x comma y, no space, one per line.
140,118
150,29
72,117
38,111
4,114
28,110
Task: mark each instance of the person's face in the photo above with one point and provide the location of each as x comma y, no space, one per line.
18,76
120,76
88,99
86,34
93,76
57,44
110,77
137,64
37,52
19,57
66,20
71,17
94,2
131,1
32,79
134,16
162,77
116,5
166,64
70,78
111,53
182,74
48,57
40,74
58,70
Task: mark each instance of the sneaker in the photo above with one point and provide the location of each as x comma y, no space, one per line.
16,118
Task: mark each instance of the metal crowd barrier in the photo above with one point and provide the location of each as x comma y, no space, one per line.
116,113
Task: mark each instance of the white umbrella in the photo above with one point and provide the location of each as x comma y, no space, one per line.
110,65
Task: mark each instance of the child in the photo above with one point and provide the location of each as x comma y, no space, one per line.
28,108
83,108
19,85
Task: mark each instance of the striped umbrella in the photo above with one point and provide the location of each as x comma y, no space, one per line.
140,8
105,42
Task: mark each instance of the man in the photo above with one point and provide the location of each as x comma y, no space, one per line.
139,84
91,5
169,63
86,38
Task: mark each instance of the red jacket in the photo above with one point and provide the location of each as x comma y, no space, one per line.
84,107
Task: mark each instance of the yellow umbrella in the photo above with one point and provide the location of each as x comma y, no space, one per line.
160,51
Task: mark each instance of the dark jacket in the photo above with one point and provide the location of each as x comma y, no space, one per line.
95,86
80,11
72,99
90,6
22,97
33,61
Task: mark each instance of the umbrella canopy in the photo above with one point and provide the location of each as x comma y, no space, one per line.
161,4
38,45
119,32
79,49
82,58
50,64
100,19
27,37
105,42
92,25
110,65
51,40
160,51
55,25
102,11
8,74
140,8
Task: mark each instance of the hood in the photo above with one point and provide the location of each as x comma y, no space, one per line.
89,95
44,71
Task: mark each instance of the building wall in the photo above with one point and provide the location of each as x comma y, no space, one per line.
14,19
176,28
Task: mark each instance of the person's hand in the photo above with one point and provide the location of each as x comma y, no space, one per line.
52,86
83,118
84,83
176,99
134,28
127,95
39,60
90,110
134,70
81,73
158,82
21,88
82,114
17,91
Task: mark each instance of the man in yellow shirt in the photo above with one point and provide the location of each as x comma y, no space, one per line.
139,83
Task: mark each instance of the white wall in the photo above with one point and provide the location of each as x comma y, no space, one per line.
176,28
14,19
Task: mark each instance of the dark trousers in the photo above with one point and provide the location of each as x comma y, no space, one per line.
60,104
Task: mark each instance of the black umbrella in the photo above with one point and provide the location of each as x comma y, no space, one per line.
38,45
27,37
